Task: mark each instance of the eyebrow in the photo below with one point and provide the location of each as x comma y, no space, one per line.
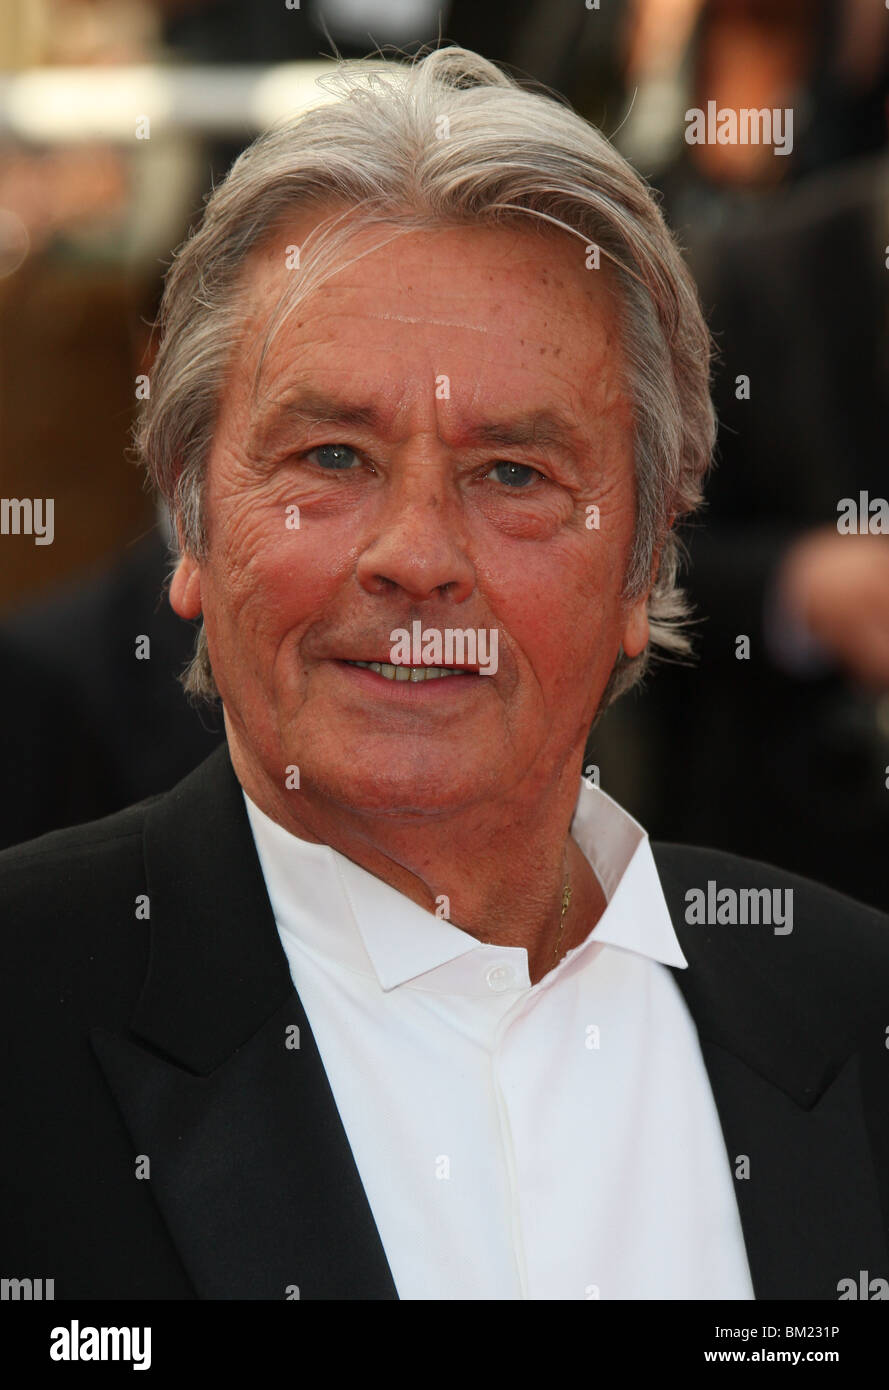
544,429
310,407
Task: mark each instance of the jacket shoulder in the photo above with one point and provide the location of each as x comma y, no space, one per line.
687,866
828,948
74,844
59,892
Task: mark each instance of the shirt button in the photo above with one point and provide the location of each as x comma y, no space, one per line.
500,977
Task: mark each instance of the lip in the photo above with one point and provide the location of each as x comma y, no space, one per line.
446,688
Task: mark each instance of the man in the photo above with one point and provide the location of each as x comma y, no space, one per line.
383,1000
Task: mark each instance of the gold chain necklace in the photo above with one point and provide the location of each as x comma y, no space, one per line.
566,902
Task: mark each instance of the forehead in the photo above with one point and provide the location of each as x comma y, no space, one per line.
507,313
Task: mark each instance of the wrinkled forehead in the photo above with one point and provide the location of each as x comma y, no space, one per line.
477,275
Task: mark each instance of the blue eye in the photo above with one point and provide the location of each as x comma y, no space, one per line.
515,475
335,456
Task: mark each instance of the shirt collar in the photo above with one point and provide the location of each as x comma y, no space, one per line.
337,909
618,849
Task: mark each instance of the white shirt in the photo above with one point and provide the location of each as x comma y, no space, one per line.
549,1141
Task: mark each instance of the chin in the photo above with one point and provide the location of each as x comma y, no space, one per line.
398,792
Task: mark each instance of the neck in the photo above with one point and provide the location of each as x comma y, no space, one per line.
497,872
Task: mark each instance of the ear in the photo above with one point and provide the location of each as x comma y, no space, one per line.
634,637
636,631
185,588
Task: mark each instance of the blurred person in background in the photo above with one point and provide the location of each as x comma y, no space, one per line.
783,748
91,714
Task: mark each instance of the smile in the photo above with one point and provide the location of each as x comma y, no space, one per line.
408,673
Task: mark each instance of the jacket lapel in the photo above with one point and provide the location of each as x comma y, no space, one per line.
788,1090
249,1162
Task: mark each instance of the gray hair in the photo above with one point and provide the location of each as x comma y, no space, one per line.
446,139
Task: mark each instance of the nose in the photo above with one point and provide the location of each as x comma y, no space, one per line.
418,542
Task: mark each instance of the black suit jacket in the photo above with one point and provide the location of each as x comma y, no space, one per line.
164,1039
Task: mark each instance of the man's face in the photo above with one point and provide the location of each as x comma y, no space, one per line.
447,415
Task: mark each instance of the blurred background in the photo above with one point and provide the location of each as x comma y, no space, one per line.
116,118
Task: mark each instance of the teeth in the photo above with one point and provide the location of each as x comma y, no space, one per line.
407,673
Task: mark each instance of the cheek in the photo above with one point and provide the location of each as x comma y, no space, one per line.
560,610
270,576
